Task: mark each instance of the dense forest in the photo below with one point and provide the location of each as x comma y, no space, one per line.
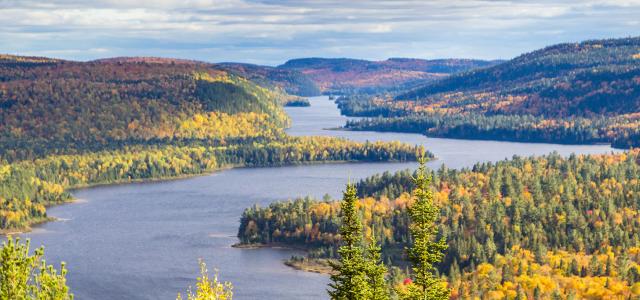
53,107
292,81
300,102
569,93
72,124
535,228
352,76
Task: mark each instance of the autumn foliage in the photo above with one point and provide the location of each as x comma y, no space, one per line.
528,227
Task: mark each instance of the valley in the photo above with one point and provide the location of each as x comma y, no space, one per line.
157,231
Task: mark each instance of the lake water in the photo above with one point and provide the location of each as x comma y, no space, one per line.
143,240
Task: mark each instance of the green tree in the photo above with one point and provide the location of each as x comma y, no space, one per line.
209,288
376,270
425,252
349,281
26,277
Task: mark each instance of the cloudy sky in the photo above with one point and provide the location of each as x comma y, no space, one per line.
272,31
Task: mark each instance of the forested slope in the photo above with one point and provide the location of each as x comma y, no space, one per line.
546,227
292,81
585,92
69,124
346,76
62,105
584,79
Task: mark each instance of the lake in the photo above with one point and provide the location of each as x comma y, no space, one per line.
143,240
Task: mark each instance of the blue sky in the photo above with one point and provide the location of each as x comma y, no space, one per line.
270,31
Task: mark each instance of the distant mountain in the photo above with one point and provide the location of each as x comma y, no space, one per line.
342,75
313,76
148,60
575,79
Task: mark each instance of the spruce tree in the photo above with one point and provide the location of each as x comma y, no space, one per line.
376,270
425,252
349,281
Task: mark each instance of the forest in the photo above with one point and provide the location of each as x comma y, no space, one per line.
292,81
568,93
357,76
26,275
71,124
528,228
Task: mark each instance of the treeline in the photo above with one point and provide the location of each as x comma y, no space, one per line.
298,102
547,227
365,106
27,187
622,132
502,127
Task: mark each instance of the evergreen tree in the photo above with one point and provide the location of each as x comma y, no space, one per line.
349,281
424,252
376,270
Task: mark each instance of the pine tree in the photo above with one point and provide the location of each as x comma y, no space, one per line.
424,252
376,270
349,281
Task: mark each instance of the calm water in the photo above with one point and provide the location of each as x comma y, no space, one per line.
143,241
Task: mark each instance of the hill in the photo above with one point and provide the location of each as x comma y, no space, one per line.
69,124
554,227
584,79
344,75
585,92
52,104
292,81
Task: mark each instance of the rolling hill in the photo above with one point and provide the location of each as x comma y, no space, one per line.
53,104
292,81
575,79
585,92
344,75
68,124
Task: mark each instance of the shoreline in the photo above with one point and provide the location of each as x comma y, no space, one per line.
474,139
312,265
300,263
29,225
255,246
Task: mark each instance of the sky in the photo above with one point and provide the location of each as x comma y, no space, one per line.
270,32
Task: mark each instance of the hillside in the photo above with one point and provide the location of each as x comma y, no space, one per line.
585,79
292,81
66,105
69,124
587,92
558,228
344,75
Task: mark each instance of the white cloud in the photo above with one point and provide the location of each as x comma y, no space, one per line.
205,29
